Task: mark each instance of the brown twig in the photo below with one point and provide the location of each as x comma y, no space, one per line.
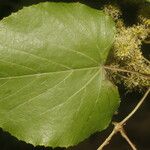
146,60
107,140
124,135
118,127
136,108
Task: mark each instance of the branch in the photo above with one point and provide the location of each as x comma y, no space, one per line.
127,139
107,140
136,108
146,60
118,127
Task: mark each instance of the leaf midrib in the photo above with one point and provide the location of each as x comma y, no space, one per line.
47,73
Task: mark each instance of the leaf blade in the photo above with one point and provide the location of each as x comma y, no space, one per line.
50,69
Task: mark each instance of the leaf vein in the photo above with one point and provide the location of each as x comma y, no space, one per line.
33,98
73,94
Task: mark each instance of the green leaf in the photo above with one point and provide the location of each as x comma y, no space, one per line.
53,87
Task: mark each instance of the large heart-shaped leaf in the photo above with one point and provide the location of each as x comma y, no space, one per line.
53,88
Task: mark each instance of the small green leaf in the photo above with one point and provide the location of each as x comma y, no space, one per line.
53,88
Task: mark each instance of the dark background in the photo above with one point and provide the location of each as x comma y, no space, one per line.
137,128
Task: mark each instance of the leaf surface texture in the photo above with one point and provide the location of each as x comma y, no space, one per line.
53,88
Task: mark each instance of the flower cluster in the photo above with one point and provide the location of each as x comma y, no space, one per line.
127,52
